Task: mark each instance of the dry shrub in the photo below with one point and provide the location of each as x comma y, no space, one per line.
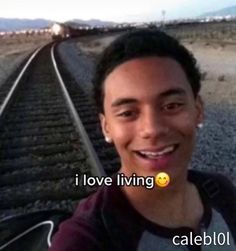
96,43
203,75
221,78
222,45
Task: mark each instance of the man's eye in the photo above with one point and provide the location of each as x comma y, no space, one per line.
172,106
126,114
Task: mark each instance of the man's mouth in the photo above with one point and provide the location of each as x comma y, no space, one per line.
156,154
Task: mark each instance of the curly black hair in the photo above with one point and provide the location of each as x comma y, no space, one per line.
143,43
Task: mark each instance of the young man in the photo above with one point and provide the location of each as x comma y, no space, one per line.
147,90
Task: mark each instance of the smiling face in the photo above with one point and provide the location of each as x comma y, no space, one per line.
151,115
162,179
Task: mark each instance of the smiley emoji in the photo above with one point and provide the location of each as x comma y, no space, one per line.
162,179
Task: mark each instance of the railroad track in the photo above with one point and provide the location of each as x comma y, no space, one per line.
49,133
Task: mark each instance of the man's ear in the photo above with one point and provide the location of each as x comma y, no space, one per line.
104,125
199,109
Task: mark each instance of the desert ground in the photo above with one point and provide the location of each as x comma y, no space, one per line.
13,49
216,61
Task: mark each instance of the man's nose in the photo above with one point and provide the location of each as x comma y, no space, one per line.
153,125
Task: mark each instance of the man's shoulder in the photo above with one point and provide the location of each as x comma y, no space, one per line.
209,179
220,192
216,188
85,229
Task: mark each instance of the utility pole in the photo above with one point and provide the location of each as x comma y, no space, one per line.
163,13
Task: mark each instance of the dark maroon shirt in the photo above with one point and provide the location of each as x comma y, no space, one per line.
107,221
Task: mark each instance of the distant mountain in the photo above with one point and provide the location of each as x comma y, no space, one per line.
14,24
222,12
92,22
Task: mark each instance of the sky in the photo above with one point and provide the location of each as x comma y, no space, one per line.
118,11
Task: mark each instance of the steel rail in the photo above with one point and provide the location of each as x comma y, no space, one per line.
13,89
94,161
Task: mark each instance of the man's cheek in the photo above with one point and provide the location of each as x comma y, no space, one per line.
121,134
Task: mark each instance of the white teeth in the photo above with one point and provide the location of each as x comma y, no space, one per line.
160,153
167,150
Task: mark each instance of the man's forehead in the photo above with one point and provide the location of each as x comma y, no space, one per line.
157,69
144,61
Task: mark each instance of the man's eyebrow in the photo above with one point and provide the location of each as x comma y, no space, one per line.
173,91
123,101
